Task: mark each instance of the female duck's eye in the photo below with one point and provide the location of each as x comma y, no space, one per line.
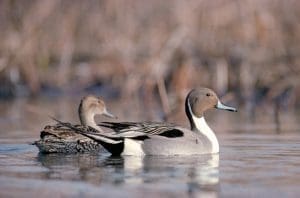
208,94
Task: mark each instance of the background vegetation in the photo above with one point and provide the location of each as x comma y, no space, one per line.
248,51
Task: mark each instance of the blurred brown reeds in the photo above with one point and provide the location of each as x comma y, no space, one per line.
248,49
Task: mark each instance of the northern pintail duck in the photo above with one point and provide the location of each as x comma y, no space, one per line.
61,139
154,138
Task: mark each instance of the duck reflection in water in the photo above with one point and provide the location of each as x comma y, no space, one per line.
192,175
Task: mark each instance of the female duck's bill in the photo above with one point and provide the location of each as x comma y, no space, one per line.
153,138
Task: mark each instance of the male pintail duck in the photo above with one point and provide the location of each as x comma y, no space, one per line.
60,139
153,138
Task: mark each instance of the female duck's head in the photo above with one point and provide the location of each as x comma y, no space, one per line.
89,107
200,100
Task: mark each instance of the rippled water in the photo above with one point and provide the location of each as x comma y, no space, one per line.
248,166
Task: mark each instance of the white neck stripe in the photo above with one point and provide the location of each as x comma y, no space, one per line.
203,128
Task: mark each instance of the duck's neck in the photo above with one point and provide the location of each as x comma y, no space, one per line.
202,127
199,125
87,119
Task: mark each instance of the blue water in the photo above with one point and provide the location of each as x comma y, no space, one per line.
249,165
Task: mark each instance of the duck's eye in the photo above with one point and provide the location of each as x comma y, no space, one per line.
208,94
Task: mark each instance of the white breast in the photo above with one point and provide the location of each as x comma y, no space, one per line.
206,130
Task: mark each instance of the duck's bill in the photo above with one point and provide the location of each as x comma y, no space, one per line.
224,107
108,114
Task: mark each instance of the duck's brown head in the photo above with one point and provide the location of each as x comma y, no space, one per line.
202,99
91,106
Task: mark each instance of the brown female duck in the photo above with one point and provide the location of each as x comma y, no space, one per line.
60,139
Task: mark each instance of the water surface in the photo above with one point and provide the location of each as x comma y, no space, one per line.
248,166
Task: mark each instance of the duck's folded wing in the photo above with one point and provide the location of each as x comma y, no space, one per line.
135,129
123,130
102,137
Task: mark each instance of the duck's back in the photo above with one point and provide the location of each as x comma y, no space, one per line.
60,139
